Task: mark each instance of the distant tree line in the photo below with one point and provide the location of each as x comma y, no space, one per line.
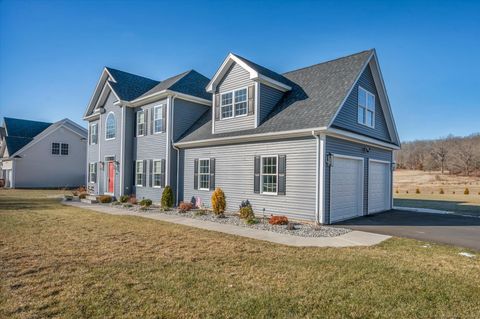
452,154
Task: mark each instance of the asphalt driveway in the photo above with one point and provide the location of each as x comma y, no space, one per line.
449,229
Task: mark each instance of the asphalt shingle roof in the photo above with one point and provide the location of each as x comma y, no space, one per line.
130,86
21,132
317,92
264,71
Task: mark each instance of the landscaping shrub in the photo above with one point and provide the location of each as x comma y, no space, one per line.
278,220
397,191
105,199
184,207
146,202
116,203
466,191
82,195
442,191
124,198
417,191
167,197
200,212
81,189
246,210
406,192
127,205
193,201
218,202
251,221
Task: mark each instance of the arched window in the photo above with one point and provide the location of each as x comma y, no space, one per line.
110,127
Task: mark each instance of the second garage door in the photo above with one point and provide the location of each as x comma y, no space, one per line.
346,191
378,186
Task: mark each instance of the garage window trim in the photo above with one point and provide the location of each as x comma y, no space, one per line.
269,174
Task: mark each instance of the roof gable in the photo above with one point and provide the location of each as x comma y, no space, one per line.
24,128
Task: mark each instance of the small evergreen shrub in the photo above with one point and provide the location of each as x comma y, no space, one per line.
417,191
167,197
124,198
105,199
251,221
193,201
246,210
184,207
146,202
466,191
219,203
442,191
278,220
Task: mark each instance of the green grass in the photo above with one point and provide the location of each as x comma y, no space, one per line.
457,203
61,261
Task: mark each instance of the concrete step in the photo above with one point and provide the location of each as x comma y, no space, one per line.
91,197
89,200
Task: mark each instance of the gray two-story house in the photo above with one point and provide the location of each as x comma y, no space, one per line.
314,143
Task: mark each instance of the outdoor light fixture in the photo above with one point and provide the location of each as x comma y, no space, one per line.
394,166
366,149
102,164
330,159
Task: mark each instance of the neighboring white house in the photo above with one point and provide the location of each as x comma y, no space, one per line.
42,155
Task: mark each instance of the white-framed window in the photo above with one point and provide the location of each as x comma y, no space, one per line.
139,173
110,126
93,133
158,119
269,174
241,102
226,106
59,148
366,107
64,149
157,173
141,123
92,172
55,148
204,174
234,103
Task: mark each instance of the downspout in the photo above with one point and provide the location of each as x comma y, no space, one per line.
317,178
176,149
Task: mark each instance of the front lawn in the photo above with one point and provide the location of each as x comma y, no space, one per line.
61,261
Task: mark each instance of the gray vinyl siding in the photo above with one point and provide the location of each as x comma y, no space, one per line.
110,147
347,117
269,97
344,147
148,147
38,168
236,78
185,114
235,175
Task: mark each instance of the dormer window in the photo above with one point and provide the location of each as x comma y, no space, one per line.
234,103
366,107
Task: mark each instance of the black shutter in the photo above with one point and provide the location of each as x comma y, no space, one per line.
212,174
135,173
256,175
164,118
144,176
96,173
195,174
135,120
150,173
217,106
96,133
88,173
145,122
282,178
152,120
251,99
162,170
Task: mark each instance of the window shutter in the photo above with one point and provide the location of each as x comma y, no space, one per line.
144,176
150,173
251,99
164,118
282,169
152,120
134,173
195,174
88,173
256,175
217,106
135,124
96,172
212,174
162,176
145,122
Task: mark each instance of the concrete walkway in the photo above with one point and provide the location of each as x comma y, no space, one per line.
353,238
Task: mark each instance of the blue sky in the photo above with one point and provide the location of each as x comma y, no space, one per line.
52,52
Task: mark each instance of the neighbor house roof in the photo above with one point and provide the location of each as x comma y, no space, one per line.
190,82
317,93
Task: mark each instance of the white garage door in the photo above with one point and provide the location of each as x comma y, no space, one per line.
346,191
378,187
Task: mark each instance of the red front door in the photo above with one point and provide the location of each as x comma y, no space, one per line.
111,177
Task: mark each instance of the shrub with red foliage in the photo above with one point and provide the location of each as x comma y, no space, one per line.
278,220
132,200
185,207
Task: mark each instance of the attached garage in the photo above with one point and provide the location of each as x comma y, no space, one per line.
346,189
379,175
